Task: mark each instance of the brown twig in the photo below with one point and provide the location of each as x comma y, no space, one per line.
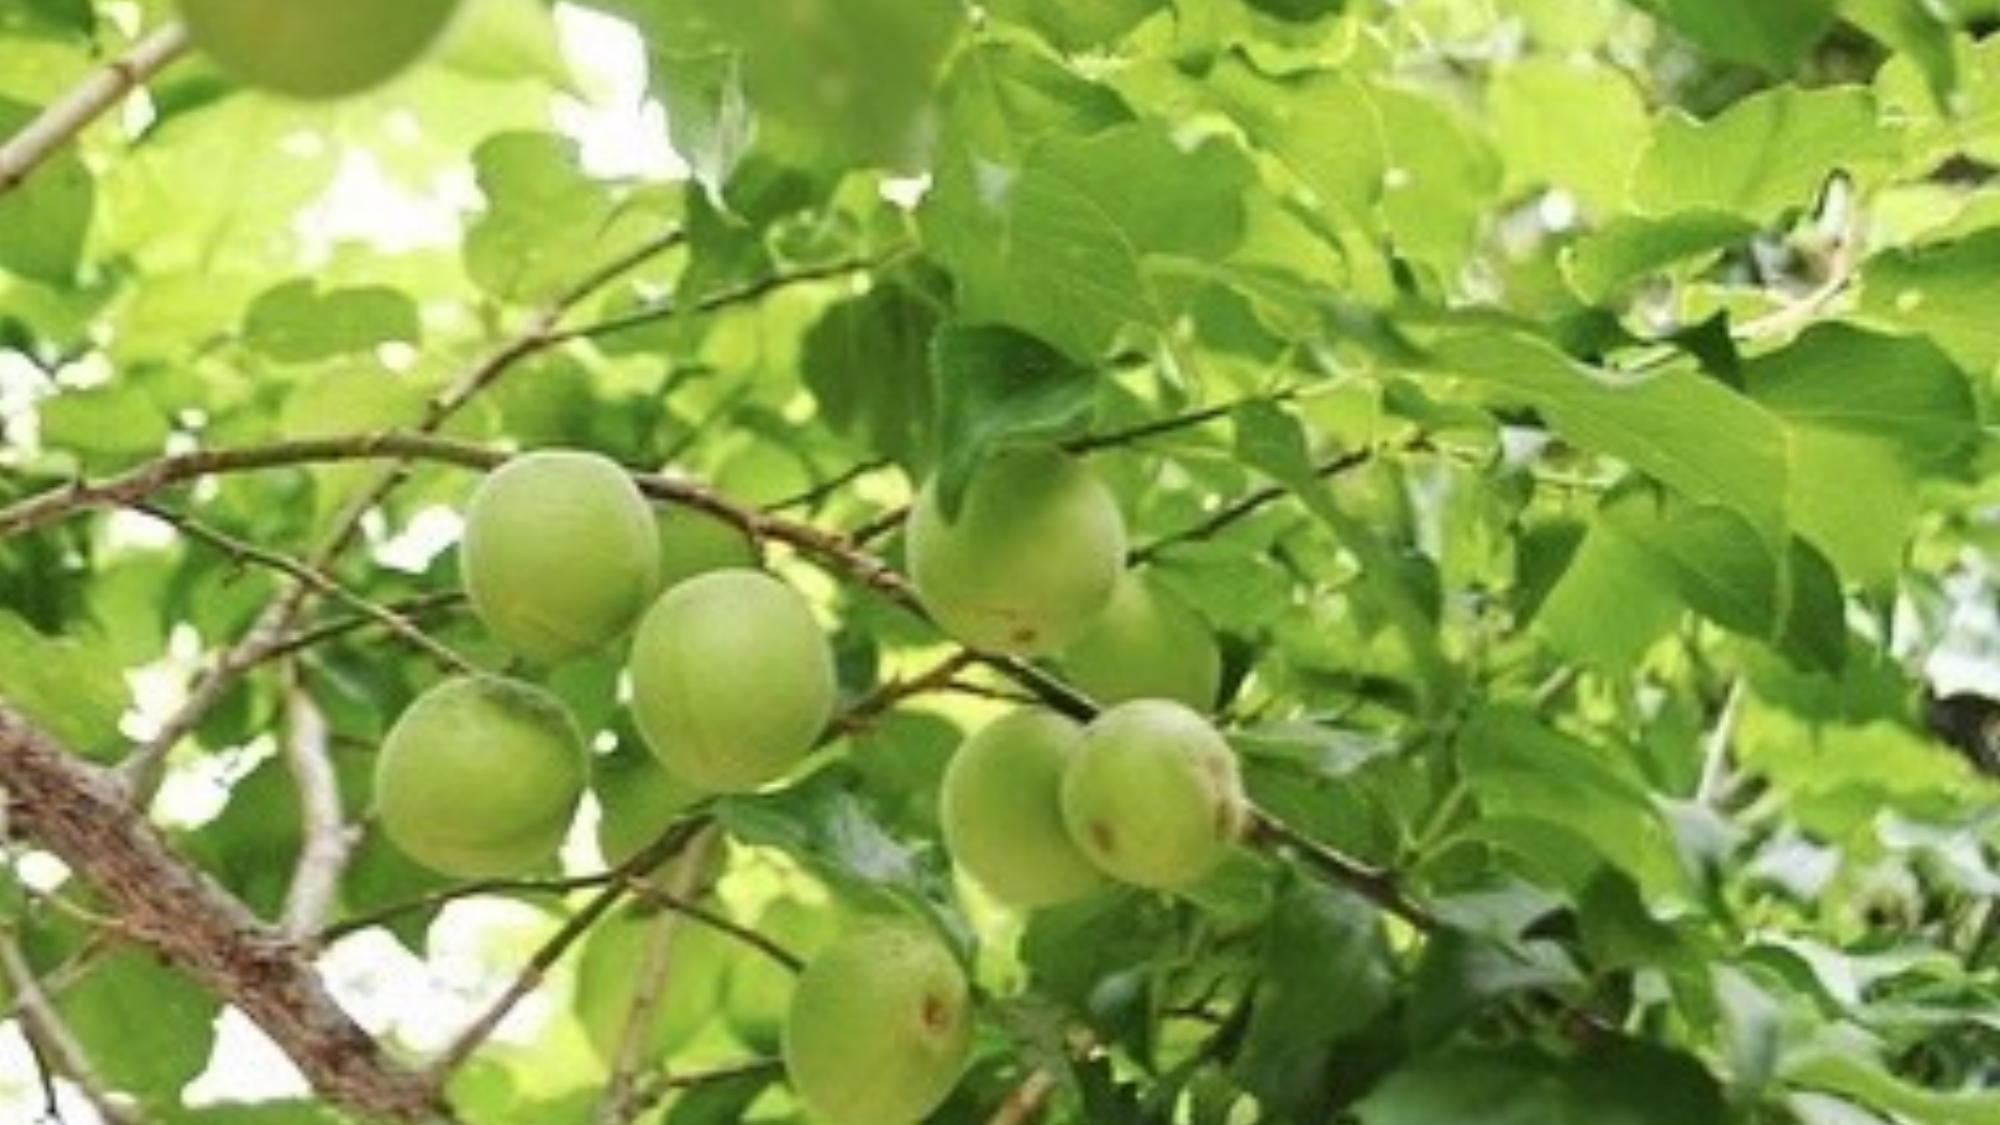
52,1035
70,114
325,839
1375,884
1245,507
650,987
662,1085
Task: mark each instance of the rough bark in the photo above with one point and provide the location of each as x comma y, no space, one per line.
81,814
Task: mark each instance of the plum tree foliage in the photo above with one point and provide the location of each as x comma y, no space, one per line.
1129,562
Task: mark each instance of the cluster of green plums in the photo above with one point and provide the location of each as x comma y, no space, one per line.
315,49
731,685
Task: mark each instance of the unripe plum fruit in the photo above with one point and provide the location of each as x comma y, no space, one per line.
480,777
614,961
1030,558
1001,807
732,680
315,48
1153,796
880,1027
560,553
1147,644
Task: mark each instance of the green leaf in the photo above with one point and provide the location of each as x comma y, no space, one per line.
1764,155
1076,25
1619,1083
1915,29
1632,247
69,686
1319,942
1463,972
856,76
546,224
45,221
1569,124
111,423
1519,769
1947,291
147,1029
1611,602
1839,1072
996,386
1772,34
868,364
1690,432
294,322
1067,245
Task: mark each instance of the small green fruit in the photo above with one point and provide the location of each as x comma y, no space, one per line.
732,680
1030,559
560,553
480,777
1001,807
1153,796
315,48
880,1027
614,960
759,991
693,543
1147,644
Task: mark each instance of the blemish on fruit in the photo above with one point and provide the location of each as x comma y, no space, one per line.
936,1014
1103,837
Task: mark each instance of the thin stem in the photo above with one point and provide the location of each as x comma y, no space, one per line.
1374,884
71,114
1222,518
654,976
461,1048
1715,754
663,1085
320,581
47,1027
326,841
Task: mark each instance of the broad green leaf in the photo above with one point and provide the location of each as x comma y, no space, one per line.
1442,175
1066,246
1630,247
996,386
1611,603
145,1028
295,322
1568,124
1946,291
1917,30
1837,1072
546,224
1622,1082
1319,942
868,364
1076,25
45,221
1764,155
1520,769
855,76
69,686
1772,34
118,421
1690,432
507,40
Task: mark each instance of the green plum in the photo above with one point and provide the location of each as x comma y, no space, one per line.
1001,807
560,553
315,48
480,777
1029,559
1153,796
732,680
880,1027
1147,644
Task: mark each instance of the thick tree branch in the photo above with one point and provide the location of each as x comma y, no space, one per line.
69,115
85,817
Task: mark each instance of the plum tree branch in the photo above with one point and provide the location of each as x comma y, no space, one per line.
664,1084
683,881
320,581
642,863
1245,507
1377,885
326,840
82,815
71,114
